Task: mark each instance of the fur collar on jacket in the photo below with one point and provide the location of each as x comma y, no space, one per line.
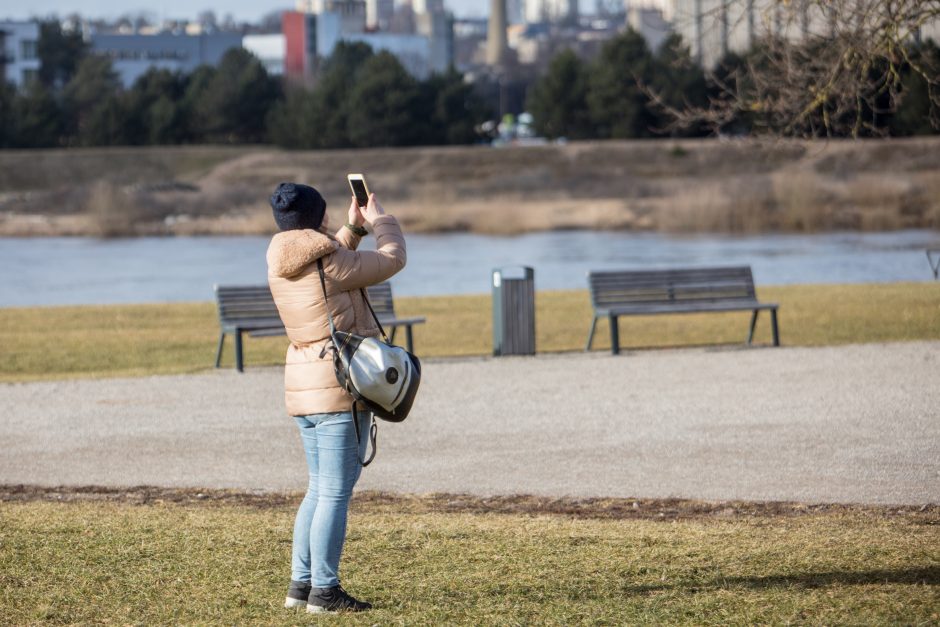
292,251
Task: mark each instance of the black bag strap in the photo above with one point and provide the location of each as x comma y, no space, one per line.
373,428
365,297
325,299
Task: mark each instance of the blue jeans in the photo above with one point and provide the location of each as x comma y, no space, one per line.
333,461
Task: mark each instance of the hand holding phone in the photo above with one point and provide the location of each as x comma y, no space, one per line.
372,210
357,182
354,216
369,207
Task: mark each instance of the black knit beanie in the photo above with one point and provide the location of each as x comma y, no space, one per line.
297,206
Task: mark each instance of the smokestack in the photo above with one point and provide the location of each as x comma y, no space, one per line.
572,16
496,44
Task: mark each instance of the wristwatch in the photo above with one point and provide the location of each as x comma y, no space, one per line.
357,230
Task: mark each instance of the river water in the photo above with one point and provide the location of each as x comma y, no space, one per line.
58,271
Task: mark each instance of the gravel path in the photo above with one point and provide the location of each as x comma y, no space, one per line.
854,424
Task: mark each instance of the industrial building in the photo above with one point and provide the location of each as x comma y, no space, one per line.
535,11
133,55
648,20
310,35
19,52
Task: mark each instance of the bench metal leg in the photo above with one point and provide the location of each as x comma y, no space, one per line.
218,351
773,324
750,334
391,338
614,335
409,340
591,334
238,351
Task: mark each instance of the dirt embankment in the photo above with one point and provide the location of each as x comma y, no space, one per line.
736,186
382,502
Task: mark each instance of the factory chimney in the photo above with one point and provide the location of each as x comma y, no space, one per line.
496,44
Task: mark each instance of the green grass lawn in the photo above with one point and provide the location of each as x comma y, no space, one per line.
131,340
161,563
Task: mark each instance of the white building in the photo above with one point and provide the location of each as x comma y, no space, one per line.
428,6
133,55
270,50
515,12
648,20
536,11
19,49
379,14
421,54
412,51
312,37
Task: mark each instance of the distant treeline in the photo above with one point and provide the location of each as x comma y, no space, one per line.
627,91
364,99
361,99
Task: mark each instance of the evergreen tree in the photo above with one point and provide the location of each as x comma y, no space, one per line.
730,74
7,115
328,116
59,54
382,105
91,104
317,118
680,83
913,113
36,119
619,108
233,106
197,86
558,102
155,113
292,122
107,123
452,107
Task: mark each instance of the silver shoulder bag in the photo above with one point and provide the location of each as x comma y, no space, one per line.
381,376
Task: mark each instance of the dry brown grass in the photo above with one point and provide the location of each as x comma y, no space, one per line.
164,562
135,340
687,186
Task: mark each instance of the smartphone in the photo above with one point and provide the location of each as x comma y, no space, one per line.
359,188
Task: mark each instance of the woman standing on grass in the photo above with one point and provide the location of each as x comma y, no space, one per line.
314,398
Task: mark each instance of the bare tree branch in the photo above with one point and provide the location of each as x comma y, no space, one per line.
815,67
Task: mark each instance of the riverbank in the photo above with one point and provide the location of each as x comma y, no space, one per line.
140,340
686,186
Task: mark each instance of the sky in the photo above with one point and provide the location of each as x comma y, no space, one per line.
243,10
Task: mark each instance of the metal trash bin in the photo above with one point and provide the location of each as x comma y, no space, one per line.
513,311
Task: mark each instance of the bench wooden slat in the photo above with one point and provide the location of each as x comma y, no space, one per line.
397,322
656,276
253,323
691,308
380,296
253,308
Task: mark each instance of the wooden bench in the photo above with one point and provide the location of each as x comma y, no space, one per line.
934,263
685,290
251,309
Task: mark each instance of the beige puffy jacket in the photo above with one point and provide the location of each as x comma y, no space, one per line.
309,381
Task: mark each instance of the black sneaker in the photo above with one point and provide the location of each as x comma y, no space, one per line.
334,599
297,594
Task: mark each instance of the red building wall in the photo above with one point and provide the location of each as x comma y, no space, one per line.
294,27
